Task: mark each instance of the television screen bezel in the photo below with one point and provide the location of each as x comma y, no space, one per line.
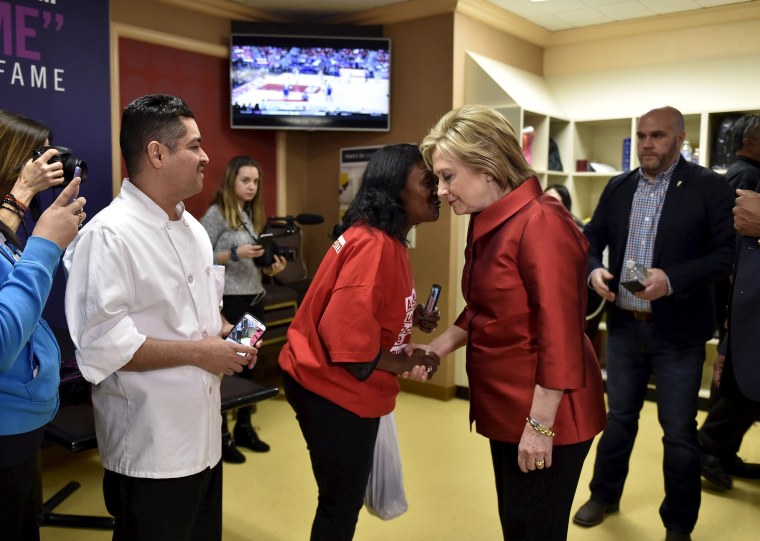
369,123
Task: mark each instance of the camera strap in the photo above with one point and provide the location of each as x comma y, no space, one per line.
258,297
10,252
249,230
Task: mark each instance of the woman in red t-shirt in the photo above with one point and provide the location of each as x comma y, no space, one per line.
346,345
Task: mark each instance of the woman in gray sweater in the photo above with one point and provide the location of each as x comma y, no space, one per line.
234,223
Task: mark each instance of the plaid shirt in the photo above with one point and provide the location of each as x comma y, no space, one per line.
642,230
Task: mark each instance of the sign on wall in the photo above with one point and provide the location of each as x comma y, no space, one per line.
353,162
54,68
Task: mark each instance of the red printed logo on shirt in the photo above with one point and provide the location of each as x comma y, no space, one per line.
410,303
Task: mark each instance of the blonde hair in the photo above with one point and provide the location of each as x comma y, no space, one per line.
481,138
227,201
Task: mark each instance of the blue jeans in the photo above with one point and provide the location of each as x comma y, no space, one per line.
634,352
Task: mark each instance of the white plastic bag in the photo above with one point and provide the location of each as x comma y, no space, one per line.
385,496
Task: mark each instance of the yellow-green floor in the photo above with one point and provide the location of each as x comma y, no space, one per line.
448,480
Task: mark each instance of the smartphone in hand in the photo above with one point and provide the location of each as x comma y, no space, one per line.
435,292
247,331
265,239
633,286
73,197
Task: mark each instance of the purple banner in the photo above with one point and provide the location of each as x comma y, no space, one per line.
54,68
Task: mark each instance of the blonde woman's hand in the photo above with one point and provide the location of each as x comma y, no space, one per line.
249,251
534,452
278,265
420,363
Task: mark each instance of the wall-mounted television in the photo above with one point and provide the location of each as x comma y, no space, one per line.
310,82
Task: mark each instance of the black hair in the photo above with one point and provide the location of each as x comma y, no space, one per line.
745,127
19,136
378,201
564,195
155,117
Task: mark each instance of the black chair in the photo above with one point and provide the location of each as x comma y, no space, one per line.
74,428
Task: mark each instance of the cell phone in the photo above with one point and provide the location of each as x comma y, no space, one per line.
73,196
246,331
633,286
265,239
435,292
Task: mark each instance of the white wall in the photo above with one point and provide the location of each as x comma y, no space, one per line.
693,86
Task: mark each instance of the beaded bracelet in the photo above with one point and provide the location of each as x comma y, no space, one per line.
538,427
14,209
12,200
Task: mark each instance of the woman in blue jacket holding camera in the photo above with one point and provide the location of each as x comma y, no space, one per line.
29,355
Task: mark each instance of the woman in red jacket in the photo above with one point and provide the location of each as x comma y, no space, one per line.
535,383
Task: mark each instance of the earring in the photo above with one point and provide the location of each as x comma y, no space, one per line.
489,178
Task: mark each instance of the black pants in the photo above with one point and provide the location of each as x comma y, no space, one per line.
535,506
21,497
728,419
20,485
341,446
180,509
233,308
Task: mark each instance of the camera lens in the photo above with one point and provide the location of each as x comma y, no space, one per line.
70,170
288,252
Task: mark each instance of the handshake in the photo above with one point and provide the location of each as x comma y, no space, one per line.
418,362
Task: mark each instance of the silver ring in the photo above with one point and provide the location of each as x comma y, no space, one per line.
429,369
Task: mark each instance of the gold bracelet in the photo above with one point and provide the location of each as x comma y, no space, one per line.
538,427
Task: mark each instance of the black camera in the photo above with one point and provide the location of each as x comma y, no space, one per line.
70,164
272,249
285,228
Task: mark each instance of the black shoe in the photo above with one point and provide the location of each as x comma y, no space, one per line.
676,536
245,436
739,468
714,472
592,513
230,453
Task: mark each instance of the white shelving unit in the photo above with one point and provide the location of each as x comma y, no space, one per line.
526,100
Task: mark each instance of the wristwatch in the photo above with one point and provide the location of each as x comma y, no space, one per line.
233,253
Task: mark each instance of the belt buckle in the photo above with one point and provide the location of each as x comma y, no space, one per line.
642,316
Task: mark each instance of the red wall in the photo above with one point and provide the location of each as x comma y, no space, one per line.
203,82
